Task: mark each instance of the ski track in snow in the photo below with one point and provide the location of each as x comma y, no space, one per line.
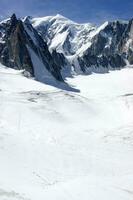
61,145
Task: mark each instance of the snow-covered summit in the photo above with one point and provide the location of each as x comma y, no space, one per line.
42,20
63,34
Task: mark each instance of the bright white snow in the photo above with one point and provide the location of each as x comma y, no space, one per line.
59,31
59,145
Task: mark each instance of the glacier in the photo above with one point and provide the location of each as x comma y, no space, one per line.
58,144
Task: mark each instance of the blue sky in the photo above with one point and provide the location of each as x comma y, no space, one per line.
95,11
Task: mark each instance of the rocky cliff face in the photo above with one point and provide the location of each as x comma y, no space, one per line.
126,44
17,38
13,48
105,50
55,46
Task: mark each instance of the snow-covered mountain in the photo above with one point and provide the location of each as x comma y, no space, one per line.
72,139
63,34
54,47
86,47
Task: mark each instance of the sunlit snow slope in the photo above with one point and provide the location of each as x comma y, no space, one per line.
60,145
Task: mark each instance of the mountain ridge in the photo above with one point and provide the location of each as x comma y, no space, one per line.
64,47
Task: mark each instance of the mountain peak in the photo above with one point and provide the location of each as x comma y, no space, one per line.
59,16
13,17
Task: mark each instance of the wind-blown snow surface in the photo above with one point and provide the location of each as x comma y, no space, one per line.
59,145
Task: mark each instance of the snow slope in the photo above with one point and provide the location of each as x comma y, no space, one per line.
61,145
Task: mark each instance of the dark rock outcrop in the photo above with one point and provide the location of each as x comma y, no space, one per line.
126,43
105,48
18,36
14,53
